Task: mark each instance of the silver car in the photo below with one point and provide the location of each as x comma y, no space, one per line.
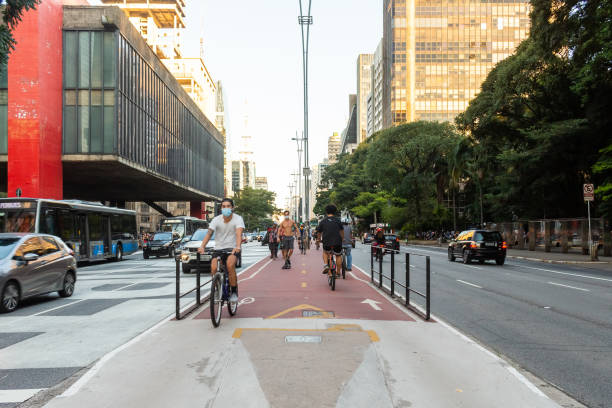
34,264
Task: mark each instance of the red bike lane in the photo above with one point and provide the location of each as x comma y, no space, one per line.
267,291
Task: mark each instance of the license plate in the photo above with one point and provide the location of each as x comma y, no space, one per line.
205,257
490,244
154,248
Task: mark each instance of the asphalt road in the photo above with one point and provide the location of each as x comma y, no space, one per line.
553,320
49,338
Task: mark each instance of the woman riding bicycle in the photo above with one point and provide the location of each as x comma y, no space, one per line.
330,231
228,229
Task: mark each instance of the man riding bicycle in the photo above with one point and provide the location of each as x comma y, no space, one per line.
228,229
330,231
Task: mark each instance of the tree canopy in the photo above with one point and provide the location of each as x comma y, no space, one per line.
12,12
256,207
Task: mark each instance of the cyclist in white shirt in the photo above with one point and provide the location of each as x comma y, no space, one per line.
228,229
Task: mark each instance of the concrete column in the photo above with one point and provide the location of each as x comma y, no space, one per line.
564,237
532,235
547,243
35,104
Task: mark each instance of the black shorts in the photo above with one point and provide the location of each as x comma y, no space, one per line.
336,249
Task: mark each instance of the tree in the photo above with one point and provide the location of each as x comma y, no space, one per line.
12,13
255,206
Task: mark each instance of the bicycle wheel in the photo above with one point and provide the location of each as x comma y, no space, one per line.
216,300
333,279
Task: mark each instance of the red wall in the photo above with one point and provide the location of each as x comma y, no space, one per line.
196,209
35,104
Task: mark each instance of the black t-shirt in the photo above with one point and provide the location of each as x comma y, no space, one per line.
330,228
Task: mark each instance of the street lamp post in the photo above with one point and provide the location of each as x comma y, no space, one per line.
302,216
305,22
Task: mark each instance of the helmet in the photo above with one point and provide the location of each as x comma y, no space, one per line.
378,230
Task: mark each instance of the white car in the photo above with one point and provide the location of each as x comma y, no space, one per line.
189,252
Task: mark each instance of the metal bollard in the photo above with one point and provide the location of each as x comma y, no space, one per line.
380,273
178,290
371,265
198,280
427,289
393,273
407,279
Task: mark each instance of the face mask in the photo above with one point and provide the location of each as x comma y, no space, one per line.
226,212
286,217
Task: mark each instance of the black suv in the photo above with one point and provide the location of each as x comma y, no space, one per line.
392,242
478,244
162,244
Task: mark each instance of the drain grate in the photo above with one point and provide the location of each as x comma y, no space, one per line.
316,313
302,339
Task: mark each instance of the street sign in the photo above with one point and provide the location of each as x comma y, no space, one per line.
588,191
18,192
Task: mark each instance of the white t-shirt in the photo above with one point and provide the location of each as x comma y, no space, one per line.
225,232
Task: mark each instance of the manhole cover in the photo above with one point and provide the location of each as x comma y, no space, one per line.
315,313
302,339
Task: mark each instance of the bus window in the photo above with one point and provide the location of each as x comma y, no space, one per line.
17,216
116,230
48,221
95,227
128,225
66,225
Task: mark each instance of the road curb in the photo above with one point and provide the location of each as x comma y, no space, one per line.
553,261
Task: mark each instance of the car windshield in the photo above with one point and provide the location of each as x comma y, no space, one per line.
6,246
487,236
390,237
162,237
200,234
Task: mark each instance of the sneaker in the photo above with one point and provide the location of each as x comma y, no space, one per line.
325,269
233,297
349,269
289,262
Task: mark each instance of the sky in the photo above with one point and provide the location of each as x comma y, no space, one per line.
254,48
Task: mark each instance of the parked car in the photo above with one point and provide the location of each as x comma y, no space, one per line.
34,264
478,244
162,244
392,242
368,238
189,253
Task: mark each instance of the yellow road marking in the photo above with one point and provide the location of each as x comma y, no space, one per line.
294,308
335,328
304,284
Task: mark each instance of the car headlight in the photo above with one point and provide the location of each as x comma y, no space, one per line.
185,257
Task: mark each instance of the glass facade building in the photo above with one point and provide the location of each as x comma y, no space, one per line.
437,53
117,103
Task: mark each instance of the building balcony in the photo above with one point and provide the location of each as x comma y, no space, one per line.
166,13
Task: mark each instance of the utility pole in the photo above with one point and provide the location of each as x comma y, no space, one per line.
299,152
305,22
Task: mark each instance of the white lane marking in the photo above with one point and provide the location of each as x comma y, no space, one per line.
468,283
58,307
259,270
12,396
246,301
568,286
74,388
471,266
359,279
372,303
563,273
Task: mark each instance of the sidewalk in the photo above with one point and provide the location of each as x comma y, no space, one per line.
295,343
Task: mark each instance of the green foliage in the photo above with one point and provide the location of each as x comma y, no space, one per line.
255,206
12,13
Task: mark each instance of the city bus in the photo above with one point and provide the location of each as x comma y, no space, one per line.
93,231
183,225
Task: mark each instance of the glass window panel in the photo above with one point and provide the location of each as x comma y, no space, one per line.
70,129
84,63
96,129
109,59
70,98
83,146
96,98
70,59
109,98
84,97
3,96
109,129
3,129
96,59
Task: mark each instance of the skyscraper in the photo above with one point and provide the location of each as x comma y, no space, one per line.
364,86
437,53
333,147
375,99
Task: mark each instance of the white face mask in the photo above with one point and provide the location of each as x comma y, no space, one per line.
286,217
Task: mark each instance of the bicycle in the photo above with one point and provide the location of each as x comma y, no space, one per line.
303,246
331,278
220,288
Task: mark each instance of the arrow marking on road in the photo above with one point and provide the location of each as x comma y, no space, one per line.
372,303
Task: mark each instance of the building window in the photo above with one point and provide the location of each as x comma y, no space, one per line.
89,94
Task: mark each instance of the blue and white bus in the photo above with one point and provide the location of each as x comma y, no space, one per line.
93,231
